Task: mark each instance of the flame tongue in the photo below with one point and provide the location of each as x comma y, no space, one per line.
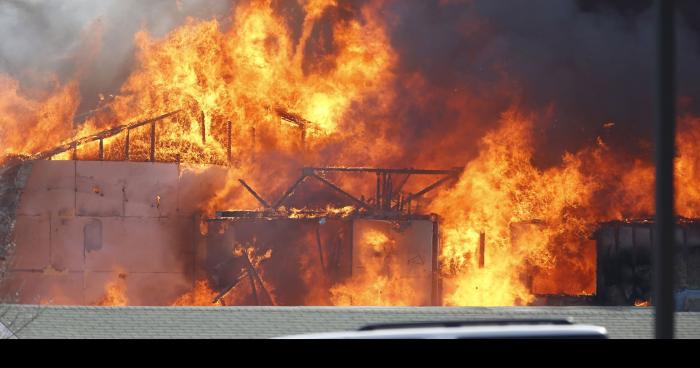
115,295
201,295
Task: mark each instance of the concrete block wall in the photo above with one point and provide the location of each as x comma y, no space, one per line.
81,225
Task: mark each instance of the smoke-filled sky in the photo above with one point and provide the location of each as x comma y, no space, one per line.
56,36
588,62
577,63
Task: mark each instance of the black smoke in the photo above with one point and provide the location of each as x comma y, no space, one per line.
577,64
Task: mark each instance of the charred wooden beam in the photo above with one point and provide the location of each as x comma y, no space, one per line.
292,118
482,249
153,141
402,183
203,126
384,191
297,120
454,171
242,275
436,281
432,186
254,193
253,142
228,141
94,137
341,191
253,289
378,197
409,201
289,191
320,246
126,145
389,194
256,278
335,254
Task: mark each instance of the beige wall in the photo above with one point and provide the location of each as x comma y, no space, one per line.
81,224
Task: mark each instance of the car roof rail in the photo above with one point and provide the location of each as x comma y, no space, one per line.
466,323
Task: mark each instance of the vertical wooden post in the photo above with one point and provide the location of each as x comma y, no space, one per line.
204,129
385,197
389,191
153,141
126,145
320,246
482,249
228,141
251,278
378,200
410,199
436,279
253,141
75,152
102,150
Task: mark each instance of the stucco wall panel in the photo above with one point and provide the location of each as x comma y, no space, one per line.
50,189
32,287
67,243
83,225
151,190
101,188
32,232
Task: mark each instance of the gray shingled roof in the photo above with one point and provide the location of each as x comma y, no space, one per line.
265,322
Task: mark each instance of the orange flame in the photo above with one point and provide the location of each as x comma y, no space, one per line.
381,281
201,295
115,295
500,188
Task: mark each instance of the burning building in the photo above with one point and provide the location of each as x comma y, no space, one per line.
181,184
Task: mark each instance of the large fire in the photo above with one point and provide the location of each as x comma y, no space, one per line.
341,80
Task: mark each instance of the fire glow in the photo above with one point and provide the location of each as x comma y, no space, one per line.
250,97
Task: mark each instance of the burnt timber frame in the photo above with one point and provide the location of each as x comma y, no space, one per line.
389,204
101,136
388,198
329,261
73,145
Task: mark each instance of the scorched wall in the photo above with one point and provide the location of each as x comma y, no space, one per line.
81,225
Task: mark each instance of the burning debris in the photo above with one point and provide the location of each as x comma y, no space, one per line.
201,295
250,262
